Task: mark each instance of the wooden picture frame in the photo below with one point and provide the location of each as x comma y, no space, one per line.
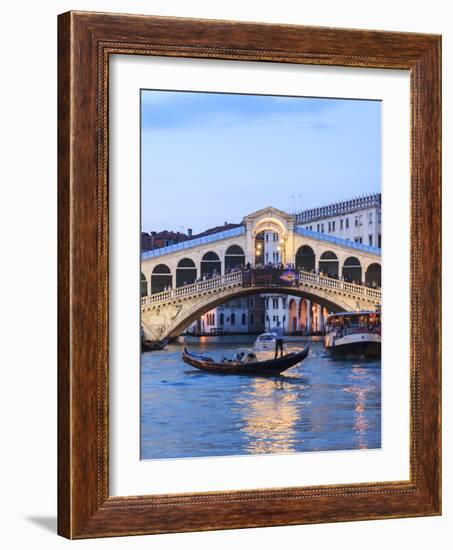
85,41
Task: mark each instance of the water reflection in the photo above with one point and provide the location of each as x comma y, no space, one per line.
269,415
360,390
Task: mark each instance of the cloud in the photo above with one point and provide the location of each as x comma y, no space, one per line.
167,109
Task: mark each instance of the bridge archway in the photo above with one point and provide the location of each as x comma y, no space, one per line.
186,272
195,312
234,257
352,270
328,264
161,278
270,224
210,264
305,258
143,285
373,275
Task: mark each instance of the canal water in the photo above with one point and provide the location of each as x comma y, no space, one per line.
323,404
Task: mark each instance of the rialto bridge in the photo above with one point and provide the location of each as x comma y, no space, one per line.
181,282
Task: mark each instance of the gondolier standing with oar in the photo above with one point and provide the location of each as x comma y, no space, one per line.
278,333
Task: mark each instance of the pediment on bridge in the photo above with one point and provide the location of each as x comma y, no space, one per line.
269,212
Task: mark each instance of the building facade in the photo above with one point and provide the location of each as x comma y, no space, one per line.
357,220
245,315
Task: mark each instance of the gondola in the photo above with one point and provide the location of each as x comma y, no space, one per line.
267,367
154,346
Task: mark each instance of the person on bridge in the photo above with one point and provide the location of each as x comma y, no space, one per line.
278,333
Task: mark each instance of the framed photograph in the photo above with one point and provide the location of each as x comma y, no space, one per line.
249,275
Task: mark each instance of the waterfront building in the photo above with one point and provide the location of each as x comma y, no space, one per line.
357,220
276,306
239,316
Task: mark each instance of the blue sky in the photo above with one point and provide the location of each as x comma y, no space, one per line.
208,158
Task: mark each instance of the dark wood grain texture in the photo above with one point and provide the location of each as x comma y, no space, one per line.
85,42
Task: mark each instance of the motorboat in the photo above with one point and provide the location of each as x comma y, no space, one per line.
265,342
245,363
356,333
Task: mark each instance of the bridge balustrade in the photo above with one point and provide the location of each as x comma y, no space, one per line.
262,278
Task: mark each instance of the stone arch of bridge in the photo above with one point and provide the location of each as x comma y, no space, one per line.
335,303
270,224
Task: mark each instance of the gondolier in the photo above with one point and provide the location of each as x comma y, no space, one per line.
278,332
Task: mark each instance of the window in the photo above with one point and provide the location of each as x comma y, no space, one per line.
322,228
370,217
329,228
267,257
252,319
317,227
358,240
356,221
379,216
379,240
267,237
252,302
244,318
370,240
284,319
347,223
266,302
283,303
333,226
221,319
341,223
210,319
233,318
275,303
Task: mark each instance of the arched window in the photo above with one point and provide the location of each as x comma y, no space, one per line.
305,258
161,278
233,319
186,272
211,265
234,257
373,275
221,319
352,270
244,318
328,264
143,285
